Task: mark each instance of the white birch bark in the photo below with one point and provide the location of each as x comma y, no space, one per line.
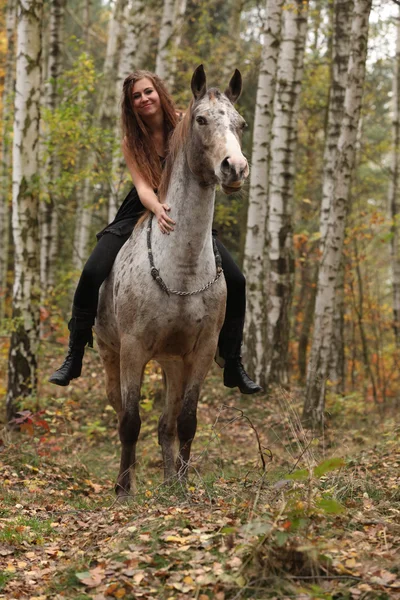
282,170
22,365
115,35
6,145
318,366
342,14
163,63
254,266
134,26
394,193
340,61
48,208
179,20
82,227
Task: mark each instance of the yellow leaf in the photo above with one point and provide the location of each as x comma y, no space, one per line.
350,562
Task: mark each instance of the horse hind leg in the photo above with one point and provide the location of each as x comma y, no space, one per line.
167,426
111,363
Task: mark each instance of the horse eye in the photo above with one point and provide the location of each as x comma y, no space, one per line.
201,120
244,125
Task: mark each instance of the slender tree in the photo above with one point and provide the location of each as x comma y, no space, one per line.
48,208
6,144
22,365
180,11
342,12
282,169
255,248
134,26
165,38
114,42
318,367
394,188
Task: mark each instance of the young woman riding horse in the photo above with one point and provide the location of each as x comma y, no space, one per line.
148,119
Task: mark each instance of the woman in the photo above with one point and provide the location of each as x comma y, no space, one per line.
148,119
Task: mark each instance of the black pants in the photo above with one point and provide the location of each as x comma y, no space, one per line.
100,264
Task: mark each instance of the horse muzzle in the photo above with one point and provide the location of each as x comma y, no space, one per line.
234,171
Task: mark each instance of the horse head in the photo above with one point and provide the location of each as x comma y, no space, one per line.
214,154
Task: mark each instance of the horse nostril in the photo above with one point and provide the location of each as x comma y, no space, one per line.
225,166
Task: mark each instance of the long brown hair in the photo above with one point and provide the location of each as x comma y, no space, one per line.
135,132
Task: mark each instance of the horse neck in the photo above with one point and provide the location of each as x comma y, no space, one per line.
192,208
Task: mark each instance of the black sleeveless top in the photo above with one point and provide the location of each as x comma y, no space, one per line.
128,214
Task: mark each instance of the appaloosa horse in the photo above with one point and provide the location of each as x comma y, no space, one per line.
140,316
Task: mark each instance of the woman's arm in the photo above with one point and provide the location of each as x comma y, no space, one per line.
146,194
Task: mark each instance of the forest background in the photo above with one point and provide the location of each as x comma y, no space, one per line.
321,100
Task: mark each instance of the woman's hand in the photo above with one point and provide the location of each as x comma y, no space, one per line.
164,221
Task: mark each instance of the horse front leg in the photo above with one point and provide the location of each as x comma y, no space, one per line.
187,420
129,422
167,426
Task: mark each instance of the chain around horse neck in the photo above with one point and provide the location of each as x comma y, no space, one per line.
157,277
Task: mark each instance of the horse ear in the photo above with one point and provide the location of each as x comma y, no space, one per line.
234,88
198,84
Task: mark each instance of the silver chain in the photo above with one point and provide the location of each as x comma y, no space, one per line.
157,277
203,289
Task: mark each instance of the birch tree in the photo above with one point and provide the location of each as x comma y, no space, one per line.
342,12
394,188
48,208
165,37
5,185
329,268
282,169
180,11
134,26
114,41
255,267
22,364
340,61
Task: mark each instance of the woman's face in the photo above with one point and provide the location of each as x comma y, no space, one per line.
146,99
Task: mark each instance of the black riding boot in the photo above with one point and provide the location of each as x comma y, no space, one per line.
80,327
229,345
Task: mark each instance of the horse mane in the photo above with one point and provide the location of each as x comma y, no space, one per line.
176,141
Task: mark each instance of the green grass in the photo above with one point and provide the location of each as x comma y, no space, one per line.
4,578
30,529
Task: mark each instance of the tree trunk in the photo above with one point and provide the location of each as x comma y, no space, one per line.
394,193
6,145
255,267
342,12
114,40
309,291
134,26
48,208
340,62
86,23
180,10
22,365
318,368
163,61
233,39
337,361
82,227
282,169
